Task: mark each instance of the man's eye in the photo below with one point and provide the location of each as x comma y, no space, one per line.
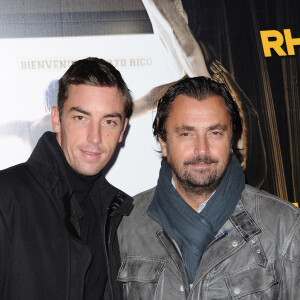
79,118
217,133
185,134
111,122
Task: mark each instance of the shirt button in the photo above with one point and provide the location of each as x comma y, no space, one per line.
253,241
236,291
182,288
234,243
257,251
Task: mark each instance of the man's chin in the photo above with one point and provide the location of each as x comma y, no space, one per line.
201,184
88,171
201,175
201,179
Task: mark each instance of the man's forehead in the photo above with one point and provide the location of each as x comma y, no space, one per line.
93,99
188,106
82,92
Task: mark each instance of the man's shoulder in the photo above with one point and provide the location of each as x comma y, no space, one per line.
140,205
108,190
20,181
144,197
142,200
12,183
15,173
278,217
265,200
106,185
112,196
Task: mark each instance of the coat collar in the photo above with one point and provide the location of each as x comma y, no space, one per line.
46,166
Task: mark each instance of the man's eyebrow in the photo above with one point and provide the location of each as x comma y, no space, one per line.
76,108
218,126
82,111
184,128
113,115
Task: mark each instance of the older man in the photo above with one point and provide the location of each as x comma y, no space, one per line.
58,214
202,233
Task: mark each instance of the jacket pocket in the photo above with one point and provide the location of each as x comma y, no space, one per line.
141,277
251,280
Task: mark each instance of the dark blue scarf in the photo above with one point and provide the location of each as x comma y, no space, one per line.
194,231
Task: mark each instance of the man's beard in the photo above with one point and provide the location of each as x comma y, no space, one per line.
199,184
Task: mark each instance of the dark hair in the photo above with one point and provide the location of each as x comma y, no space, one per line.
95,72
199,88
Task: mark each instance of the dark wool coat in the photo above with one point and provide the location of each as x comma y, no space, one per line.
41,254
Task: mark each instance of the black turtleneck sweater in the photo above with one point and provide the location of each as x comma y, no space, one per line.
86,191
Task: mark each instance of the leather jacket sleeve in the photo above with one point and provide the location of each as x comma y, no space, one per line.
290,288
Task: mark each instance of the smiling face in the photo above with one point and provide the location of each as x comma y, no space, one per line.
90,127
198,143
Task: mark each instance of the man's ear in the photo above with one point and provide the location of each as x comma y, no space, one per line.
163,147
55,119
123,130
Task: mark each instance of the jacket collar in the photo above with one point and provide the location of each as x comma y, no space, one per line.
47,167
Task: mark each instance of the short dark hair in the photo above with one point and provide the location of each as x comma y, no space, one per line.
95,72
199,88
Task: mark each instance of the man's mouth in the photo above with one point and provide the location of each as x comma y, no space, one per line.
205,160
90,154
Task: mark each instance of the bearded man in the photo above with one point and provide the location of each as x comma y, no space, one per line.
202,233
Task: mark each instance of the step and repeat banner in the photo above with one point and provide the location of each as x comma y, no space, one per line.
251,46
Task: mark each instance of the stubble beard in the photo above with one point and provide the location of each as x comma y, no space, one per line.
198,183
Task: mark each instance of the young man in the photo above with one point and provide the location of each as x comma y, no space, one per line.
58,214
202,233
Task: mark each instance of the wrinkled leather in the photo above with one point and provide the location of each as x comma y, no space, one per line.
258,257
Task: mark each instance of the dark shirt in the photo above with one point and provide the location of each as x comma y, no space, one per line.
91,235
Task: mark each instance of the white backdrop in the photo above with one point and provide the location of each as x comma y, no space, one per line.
27,66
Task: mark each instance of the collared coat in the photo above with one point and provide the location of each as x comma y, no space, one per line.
41,254
256,254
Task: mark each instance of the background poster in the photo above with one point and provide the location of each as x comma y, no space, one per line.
154,43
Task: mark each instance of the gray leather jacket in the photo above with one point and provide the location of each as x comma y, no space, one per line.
256,254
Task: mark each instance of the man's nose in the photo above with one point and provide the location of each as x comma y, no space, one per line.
94,133
201,145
